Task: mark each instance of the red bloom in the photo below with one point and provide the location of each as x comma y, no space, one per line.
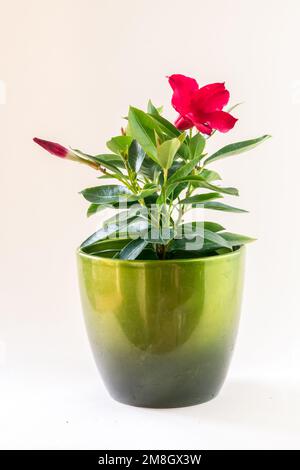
52,147
200,107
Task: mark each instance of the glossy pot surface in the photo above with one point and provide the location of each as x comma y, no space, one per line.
162,332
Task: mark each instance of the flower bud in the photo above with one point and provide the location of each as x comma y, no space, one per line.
62,152
53,147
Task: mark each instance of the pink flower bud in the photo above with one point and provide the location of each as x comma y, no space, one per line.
52,147
62,152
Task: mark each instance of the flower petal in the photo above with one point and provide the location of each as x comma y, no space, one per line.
210,98
221,121
204,128
183,88
183,123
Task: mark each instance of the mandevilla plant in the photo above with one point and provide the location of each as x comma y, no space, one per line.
161,173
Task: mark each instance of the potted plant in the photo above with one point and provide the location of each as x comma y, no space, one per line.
161,296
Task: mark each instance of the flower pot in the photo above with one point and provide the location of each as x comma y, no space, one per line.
162,332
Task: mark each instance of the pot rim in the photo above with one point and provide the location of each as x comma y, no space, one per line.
154,262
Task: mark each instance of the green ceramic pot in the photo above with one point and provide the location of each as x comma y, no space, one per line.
162,332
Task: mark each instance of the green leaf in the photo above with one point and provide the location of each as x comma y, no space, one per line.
234,149
212,226
141,129
119,144
136,156
175,193
165,126
107,245
202,183
95,208
216,238
151,109
219,206
114,169
201,198
192,244
147,191
150,169
107,231
133,249
167,151
110,158
235,239
106,194
210,175
129,214
160,235
107,163
183,171
197,144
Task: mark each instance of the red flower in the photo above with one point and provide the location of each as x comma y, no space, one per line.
52,147
200,107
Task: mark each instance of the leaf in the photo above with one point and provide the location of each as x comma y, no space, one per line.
106,194
136,156
105,232
109,164
183,171
110,158
192,244
149,189
119,144
95,208
141,128
129,214
212,226
114,169
149,168
151,109
202,183
201,198
216,238
106,245
133,249
235,239
175,193
160,235
210,175
234,149
197,144
146,192
165,126
167,151
219,206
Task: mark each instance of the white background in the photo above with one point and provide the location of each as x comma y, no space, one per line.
69,69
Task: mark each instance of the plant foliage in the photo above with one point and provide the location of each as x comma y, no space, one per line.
161,174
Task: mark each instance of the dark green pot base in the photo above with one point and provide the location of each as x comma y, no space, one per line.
162,332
